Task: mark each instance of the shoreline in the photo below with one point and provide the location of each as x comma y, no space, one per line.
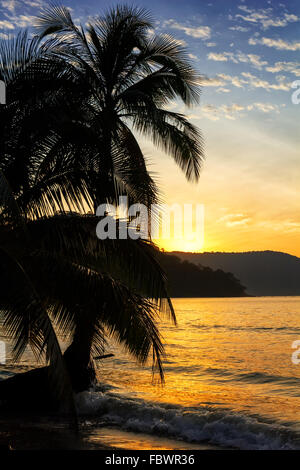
25,433
44,434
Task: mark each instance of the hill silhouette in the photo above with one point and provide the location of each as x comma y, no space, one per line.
188,280
262,272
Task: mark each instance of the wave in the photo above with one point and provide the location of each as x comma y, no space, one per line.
201,424
252,377
287,329
232,375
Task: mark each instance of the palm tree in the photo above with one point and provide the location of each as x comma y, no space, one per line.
39,251
125,77
71,145
112,289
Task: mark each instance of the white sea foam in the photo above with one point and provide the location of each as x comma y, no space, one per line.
200,424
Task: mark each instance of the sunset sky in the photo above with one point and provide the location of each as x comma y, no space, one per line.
249,55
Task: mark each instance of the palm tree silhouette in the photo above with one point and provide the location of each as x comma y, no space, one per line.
54,269
76,97
124,76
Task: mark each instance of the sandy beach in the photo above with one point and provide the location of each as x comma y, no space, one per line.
23,433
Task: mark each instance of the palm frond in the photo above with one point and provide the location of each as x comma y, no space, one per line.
67,191
52,19
132,261
126,316
10,211
175,135
16,54
27,321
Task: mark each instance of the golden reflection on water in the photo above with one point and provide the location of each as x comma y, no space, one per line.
229,353
129,440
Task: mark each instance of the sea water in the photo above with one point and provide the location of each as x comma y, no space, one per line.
229,381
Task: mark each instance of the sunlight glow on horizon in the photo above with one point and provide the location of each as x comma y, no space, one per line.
249,183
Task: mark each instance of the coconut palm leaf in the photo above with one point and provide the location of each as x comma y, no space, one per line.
125,315
27,322
132,261
133,82
71,147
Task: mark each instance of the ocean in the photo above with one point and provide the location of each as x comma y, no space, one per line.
230,381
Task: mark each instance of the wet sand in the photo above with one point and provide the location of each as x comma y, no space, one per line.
24,433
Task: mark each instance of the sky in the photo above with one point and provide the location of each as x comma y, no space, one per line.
248,53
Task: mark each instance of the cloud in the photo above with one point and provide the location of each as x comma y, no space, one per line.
4,36
290,67
246,79
241,29
252,59
234,80
223,79
22,21
9,5
265,107
214,113
210,112
34,3
279,44
234,110
265,18
212,81
4,24
223,90
283,226
201,32
12,5
11,10
256,82
218,57
232,220
241,219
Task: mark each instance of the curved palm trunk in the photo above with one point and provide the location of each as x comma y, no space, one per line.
31,391
78,362
28,392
